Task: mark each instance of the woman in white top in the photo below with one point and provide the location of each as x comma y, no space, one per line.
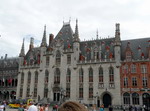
2,107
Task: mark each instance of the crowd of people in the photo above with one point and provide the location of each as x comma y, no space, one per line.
70,106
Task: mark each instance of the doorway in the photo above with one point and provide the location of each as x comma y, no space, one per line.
106,100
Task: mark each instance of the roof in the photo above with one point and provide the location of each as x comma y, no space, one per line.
134,44
65,34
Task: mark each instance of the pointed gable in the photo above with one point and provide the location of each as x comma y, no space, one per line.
65,34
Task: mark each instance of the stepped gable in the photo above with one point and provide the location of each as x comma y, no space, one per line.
65,34
97,44
134,44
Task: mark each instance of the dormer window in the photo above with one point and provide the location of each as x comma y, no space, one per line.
128,56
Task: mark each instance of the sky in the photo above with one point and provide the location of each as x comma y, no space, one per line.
26,18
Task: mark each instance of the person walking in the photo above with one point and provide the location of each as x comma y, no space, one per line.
33,107
2,107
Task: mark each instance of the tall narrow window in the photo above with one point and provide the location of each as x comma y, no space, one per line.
36,77
90,92
90,75
57,76
133,68
111,74
22,78
21,92
101,75
29,77
81,74
81,92
143,68
68,76
134,82
144,82
47,60
126,98
135,99
125,82
46,76
46,93
58,57
35,92
69,59
68,92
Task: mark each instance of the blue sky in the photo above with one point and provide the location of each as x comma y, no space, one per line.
26,18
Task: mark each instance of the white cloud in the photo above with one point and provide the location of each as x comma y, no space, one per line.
21,18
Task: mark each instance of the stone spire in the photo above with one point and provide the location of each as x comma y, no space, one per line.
44,44
117,34
97,34
22,52
76,35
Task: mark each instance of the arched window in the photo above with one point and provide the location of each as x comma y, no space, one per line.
29,77
58,57
16,82
22,78
36,77
146,99
68,76
57,76
90,74
135,99
126,98
81,75
46,76
100,74
111,74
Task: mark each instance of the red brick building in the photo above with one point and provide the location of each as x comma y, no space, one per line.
135,72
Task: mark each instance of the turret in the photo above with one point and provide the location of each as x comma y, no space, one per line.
117,35
117,46
22,52
76,34
44,44
76,45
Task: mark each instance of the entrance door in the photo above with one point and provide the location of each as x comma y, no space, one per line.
106,100
98,103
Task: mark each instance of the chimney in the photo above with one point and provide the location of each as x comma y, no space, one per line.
51,37
5,56
31,43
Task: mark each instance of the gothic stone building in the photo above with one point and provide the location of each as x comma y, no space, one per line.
8,78
70,69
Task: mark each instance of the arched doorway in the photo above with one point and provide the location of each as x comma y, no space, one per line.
106,100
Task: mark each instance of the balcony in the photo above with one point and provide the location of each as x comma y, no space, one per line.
29,66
